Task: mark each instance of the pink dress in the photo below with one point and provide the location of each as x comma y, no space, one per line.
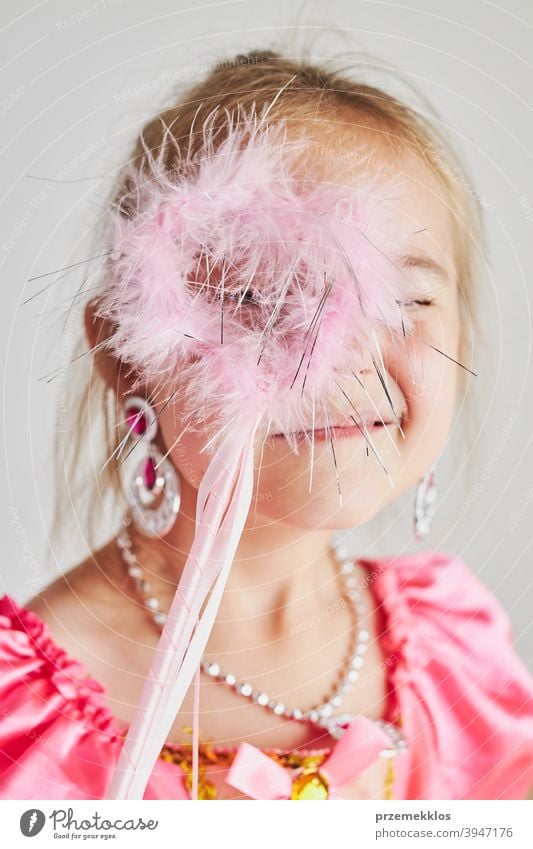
461,693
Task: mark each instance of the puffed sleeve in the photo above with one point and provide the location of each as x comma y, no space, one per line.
466,696
57,741
57,738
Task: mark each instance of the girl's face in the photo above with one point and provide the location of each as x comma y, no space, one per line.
421,383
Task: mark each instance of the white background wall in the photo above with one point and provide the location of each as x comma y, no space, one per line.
79,78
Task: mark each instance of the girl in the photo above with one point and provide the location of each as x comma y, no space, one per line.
324,675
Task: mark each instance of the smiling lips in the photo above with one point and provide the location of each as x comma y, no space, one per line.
339,431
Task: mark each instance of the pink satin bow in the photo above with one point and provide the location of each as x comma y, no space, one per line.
257,775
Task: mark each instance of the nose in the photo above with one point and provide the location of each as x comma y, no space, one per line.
362,363
374,367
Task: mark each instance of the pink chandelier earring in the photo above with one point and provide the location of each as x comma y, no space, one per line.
154,490
426,496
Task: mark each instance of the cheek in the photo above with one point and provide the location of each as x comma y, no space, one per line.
185,453
428,380
431,401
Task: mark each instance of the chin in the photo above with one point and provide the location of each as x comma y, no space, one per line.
363,496
312,518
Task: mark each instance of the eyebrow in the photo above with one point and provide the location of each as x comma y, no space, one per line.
425,263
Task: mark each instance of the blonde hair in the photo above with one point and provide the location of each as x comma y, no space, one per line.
298,91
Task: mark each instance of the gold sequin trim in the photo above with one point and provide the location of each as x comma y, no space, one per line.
307,780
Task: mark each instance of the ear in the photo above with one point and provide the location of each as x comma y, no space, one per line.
115,373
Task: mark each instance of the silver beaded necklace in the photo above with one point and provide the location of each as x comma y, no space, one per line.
318,714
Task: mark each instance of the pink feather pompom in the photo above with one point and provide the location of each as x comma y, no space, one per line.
253,284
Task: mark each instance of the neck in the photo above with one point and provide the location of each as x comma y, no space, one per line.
276,567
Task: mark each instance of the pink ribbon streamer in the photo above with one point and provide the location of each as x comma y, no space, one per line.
224,498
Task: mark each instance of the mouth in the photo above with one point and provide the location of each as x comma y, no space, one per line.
339,431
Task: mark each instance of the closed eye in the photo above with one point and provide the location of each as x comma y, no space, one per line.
417,302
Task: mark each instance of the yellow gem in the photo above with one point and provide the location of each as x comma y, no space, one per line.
310,786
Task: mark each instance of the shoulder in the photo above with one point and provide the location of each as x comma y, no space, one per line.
433,590
38,641
62,609
441,587
454,616
83,607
